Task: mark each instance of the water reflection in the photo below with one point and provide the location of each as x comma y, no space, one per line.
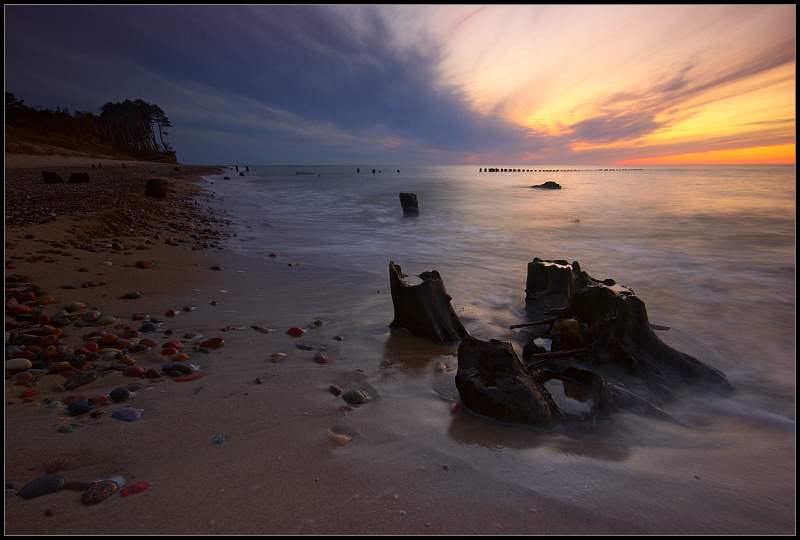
413,356
471,429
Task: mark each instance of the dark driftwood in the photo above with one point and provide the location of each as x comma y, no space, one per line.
424,309
603,350
492,382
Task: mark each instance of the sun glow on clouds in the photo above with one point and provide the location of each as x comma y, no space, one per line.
615,77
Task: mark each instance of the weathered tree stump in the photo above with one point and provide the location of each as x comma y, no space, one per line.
616,325
51,178
409,203
603,351
493,382
424,309
156,187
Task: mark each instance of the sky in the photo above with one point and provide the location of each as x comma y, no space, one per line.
495,85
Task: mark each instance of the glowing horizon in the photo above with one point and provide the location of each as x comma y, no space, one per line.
765,155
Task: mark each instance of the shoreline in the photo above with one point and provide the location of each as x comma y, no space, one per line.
262,446
283,434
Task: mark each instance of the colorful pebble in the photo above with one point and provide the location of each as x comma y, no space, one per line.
99,491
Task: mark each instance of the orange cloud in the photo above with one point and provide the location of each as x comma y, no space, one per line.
779,154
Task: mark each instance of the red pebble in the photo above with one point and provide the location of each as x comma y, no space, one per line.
152,373
107,339
25,297
175,344
134,488
98,400
91,346
190,377
145,264
48,340
295,331
211,343
58,465
169,350
67,373
20,309
133,371
28,393
320,358
50,512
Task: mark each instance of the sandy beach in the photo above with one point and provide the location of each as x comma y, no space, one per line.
260,443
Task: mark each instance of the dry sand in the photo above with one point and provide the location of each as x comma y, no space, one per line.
412,464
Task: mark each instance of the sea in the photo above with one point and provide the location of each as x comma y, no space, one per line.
710,249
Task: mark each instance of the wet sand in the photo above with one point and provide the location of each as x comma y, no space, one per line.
413,463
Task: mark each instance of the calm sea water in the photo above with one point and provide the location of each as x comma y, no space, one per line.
709,249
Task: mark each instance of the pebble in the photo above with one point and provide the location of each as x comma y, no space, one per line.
99,491
148,327
134,488
219,439
120,395
42,486
295,331
98,400
18,364
190,377
79,379
58,465
145,264
355,397
320,358
277,357
133,371
74,306
77,408
127,414
211,343
182,367
335,390
305,346
339,439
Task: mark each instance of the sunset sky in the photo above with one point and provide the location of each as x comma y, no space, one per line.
383,84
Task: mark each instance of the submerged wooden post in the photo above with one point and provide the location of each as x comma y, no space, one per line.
410,204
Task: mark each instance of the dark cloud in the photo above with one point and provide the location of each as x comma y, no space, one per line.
297,82
303,62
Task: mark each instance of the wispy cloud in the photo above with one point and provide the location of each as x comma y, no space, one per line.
420,83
